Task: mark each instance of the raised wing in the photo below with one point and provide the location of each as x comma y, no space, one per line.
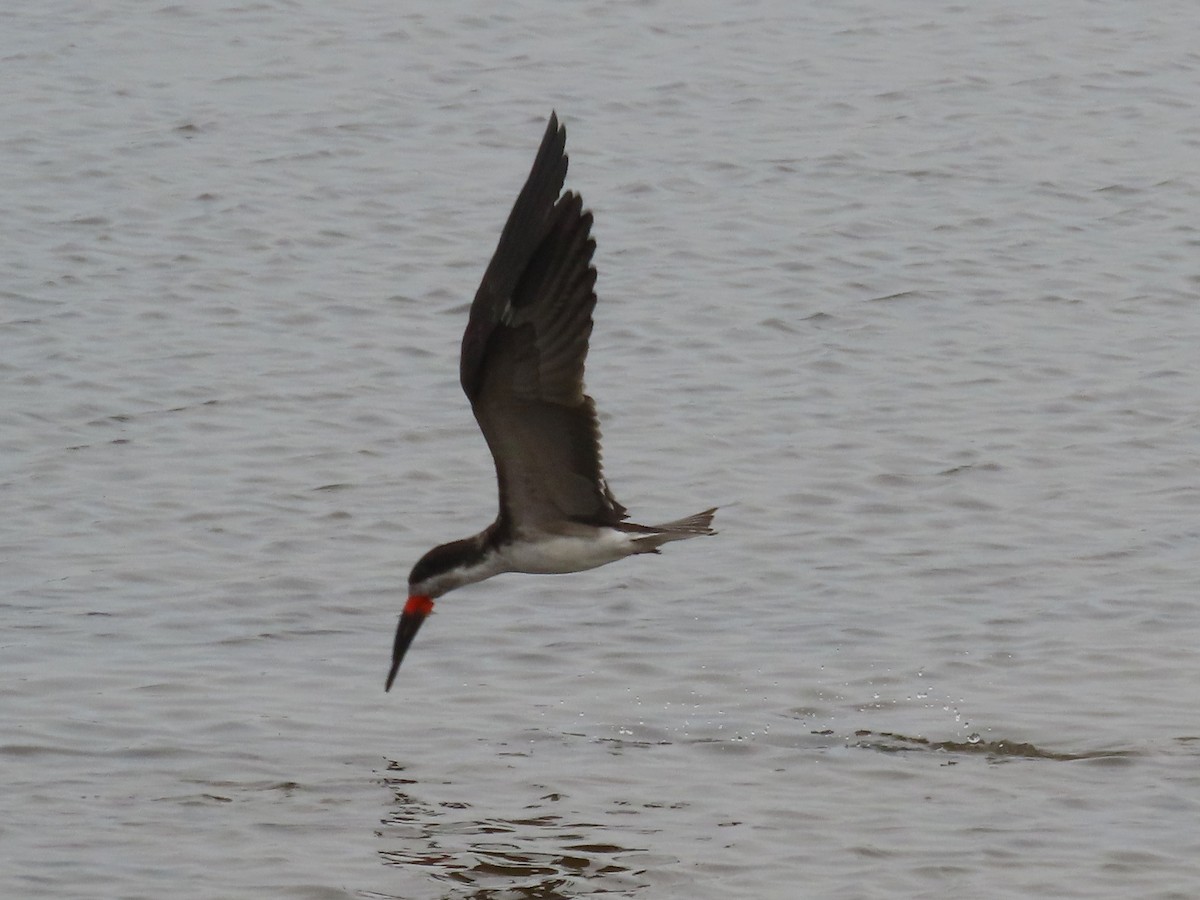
524,351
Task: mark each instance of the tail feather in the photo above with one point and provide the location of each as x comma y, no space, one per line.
700,523
680,529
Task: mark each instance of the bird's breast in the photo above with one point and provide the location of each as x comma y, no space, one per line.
555,554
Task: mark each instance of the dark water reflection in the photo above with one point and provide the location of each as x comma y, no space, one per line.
539,854
995,751
547,849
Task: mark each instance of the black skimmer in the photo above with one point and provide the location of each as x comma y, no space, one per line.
522,369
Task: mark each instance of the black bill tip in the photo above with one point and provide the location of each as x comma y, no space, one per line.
410,623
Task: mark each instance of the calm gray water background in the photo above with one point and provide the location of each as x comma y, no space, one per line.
910,290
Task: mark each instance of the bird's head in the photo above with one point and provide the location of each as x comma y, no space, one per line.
440,570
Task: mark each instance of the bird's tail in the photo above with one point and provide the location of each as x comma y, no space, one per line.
657,535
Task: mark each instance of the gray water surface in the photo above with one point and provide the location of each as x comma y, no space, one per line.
910,291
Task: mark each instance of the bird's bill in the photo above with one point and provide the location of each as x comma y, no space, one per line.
415,611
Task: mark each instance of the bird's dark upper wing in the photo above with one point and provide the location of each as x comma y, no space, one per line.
523,355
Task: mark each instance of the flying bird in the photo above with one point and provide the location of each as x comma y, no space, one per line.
522,369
